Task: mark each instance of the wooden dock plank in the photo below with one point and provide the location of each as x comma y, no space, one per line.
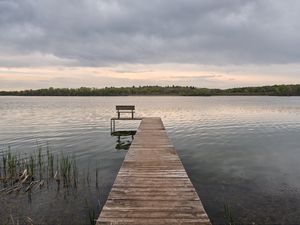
152,186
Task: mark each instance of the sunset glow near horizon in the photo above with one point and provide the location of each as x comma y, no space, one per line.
202,43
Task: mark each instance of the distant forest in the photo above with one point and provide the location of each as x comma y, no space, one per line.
275,90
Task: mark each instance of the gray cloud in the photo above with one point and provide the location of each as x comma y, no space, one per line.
112,32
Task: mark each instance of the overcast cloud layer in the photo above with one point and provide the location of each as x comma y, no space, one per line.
106,33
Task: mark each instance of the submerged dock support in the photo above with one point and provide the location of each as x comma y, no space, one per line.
113,122
112,125
152,186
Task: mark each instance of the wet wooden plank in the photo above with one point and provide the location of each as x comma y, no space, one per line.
152,186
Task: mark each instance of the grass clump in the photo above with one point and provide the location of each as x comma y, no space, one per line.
228,215
23,172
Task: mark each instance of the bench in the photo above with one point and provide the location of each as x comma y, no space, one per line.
125,109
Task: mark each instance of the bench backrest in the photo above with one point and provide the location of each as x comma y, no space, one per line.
125,107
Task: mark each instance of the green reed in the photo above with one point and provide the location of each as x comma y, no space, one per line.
26,171
66,169
97,169
228,215
31,165
4,163
91,213
92,217
50,158
75,172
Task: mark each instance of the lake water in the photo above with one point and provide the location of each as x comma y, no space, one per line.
239,151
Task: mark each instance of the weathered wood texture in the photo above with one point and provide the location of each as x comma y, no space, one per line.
125,107
152,186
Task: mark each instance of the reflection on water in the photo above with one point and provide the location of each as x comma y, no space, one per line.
27,179
244,151
124,139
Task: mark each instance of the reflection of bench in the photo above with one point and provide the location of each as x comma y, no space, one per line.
125,109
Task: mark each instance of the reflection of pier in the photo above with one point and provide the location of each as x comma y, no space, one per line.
152,186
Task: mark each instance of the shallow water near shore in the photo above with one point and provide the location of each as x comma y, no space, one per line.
240,151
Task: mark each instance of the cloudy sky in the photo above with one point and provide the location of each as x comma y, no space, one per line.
97,43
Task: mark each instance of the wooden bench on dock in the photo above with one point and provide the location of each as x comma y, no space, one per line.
125,109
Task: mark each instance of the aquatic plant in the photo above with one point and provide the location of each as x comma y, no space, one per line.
4,161
29,171
75,172
92,217
65,168
91,213
40,161
88,176
228,215
97,185
50,158
31,165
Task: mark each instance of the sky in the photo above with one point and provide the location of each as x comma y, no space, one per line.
99,43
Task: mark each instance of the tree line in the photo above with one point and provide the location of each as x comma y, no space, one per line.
274,90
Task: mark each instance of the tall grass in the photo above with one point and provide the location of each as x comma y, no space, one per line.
24,172
68,168
228,215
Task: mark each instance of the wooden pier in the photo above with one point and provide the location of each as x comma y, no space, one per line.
152,186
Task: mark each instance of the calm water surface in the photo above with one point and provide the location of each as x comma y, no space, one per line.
242,151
